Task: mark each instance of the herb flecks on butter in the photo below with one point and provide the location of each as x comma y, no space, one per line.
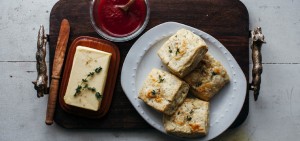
98,95
90,74
93,89
97,70
84,84
78,89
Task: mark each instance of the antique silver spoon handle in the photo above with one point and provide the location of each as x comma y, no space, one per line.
257,41
42,79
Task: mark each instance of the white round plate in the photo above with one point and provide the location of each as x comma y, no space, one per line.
142,57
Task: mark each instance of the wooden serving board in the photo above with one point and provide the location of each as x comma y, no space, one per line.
226,20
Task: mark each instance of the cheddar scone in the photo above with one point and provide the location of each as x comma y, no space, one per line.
191,119
182,52
208,78
163,91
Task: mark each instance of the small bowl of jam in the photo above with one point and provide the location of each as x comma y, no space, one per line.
116,24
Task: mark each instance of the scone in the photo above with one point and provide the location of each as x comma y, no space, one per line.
163,91
208,78
190,120
182,52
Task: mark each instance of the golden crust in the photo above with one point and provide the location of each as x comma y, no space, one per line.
191,119
208,78
182,52
163,91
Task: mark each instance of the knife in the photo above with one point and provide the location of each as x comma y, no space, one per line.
60,50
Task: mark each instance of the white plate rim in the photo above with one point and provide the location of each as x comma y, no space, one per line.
146,41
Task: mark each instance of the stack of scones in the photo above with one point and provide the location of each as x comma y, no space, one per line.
191,69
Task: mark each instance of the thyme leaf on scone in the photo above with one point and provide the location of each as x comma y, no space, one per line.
153,92
170,50
177,51
160,79
213,73
188,118
192,111
198,84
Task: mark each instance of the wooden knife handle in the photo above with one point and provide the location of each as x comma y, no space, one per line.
52,101
59,56
61,47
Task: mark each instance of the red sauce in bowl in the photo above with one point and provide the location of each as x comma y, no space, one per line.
116,22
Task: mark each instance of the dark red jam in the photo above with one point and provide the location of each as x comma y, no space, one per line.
116,22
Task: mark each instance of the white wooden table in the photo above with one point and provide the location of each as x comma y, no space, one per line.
274,117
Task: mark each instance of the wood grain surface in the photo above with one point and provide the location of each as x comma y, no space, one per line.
226,20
